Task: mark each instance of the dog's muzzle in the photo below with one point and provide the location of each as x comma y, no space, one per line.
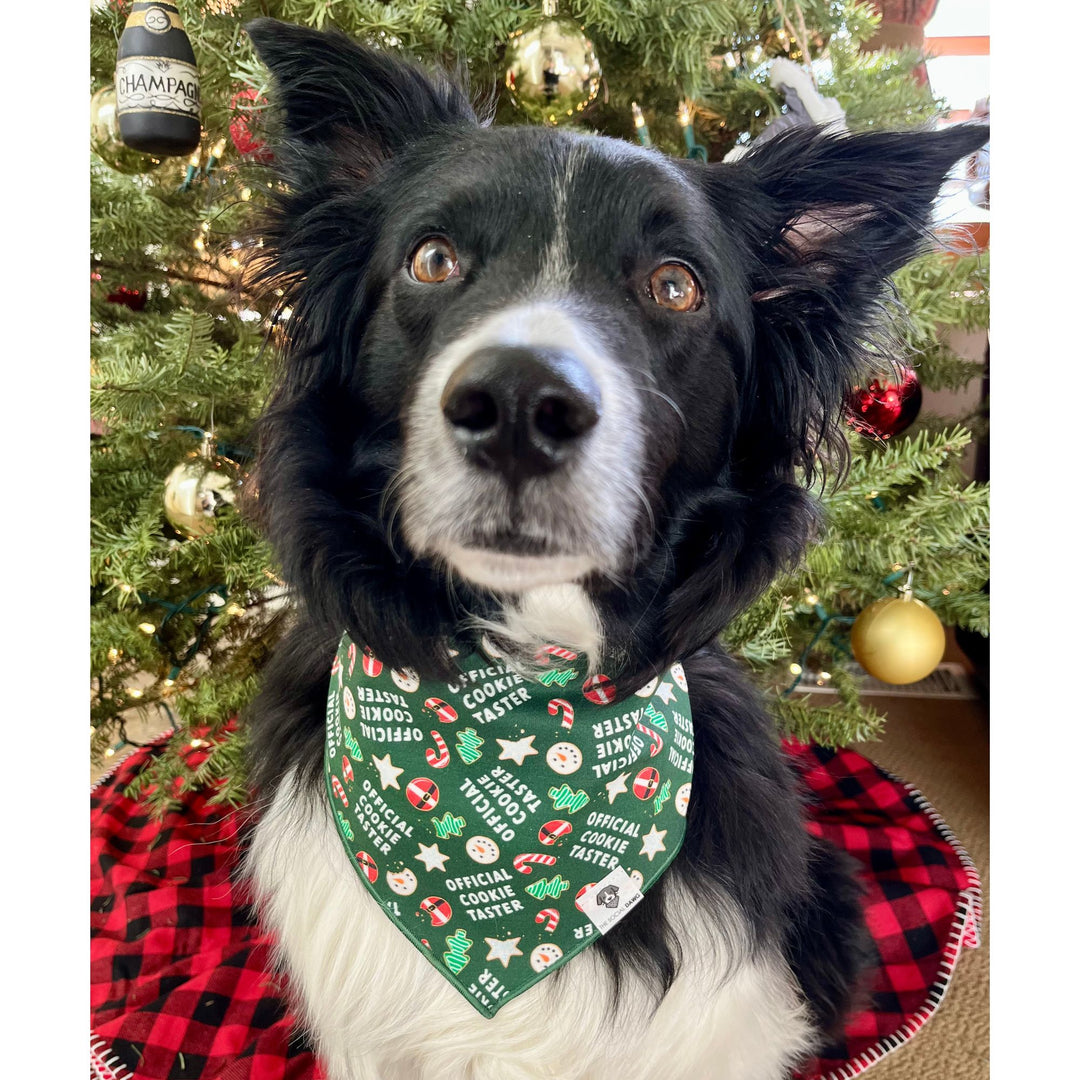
520,411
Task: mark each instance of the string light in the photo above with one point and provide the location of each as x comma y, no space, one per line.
234,609
245,194
196,743
125,587
109,752
114,655
215,156
795,669
134,692
192,168
639,122
693,148
147,627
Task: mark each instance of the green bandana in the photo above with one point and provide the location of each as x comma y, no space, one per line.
504,824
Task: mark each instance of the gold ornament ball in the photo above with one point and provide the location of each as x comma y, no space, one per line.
898,640
195,493
551,70
105,138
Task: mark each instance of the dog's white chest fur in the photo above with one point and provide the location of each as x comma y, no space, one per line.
378,1011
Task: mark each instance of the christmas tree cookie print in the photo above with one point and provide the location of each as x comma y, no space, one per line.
456,956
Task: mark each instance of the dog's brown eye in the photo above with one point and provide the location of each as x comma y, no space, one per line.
434,261
674,287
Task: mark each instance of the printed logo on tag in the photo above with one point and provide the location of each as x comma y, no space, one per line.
610,899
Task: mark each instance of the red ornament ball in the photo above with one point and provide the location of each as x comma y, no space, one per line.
885,407
243,128
132,298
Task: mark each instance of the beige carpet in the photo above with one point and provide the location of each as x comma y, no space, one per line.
943,748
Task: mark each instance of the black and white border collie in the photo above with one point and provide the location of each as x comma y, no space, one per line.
545,387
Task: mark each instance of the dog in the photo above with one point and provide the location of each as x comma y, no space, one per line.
545,386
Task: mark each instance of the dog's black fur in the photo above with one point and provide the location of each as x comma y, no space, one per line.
793,245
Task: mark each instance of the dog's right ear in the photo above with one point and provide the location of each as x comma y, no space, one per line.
329,90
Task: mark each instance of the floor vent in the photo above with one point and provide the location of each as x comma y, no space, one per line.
948,680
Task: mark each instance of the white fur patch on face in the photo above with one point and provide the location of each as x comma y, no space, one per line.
378,1011
558,265
500,572
585,513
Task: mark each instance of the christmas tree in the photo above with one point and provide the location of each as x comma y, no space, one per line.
186,602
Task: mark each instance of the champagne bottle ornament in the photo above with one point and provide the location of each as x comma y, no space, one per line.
157,83
551,68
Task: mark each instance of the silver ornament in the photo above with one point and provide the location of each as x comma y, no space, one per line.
552,71
195,493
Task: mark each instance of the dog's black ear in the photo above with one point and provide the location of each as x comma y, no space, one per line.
329,89
825,219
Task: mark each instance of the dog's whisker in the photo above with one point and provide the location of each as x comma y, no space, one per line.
668,400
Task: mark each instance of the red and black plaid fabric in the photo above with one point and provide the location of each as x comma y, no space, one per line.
180,980
179,983
921,902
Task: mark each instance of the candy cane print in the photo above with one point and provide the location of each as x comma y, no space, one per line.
521,862
552,917
446,713
440,759
339,791
567,711
336,669
657,742
352,657
542,657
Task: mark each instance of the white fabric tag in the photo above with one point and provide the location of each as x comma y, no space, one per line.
610,899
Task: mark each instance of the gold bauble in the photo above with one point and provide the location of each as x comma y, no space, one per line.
105,138
898,640
551,69
195,493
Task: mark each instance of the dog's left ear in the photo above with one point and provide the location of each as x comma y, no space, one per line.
824,220
330,89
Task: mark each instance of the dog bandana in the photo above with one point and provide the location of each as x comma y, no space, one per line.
505,823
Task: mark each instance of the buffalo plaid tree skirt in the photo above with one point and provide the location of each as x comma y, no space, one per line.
181,985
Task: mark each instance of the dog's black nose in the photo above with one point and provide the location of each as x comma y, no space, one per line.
520,411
